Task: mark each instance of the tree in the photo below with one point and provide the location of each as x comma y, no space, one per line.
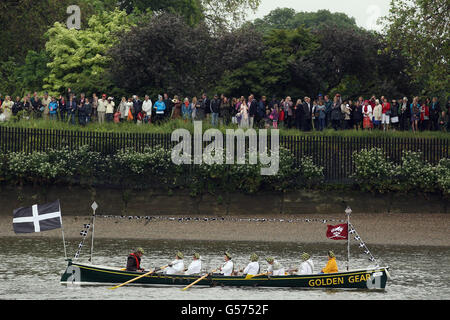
227,14
218,14
31,74
20,78
8,83
272,72
355,59
162,53
419,29
23,23
329,59
287,18
78,58
191,10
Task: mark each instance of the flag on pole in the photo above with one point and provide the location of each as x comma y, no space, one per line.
338,232
37,218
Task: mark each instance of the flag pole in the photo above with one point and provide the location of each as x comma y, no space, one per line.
62,231
94,207
348,211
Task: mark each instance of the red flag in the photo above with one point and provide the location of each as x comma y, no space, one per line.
338,232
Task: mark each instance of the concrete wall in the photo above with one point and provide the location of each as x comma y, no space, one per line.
77,201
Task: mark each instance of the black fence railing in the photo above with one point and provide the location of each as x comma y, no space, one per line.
333,153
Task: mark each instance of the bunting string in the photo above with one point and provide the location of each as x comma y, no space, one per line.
211,219
84,234
148,219
352,230
361,243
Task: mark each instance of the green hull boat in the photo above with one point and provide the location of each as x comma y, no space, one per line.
86,274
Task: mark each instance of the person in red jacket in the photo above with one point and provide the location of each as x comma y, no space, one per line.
134,261
385,114
424,122
281,117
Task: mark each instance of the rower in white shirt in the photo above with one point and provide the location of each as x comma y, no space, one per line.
196,265
228,267
253,267
275,268
176,266
307,266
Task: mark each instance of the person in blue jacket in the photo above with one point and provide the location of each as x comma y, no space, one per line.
160,108
53,109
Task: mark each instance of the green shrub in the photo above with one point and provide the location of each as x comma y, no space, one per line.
141,169
416,174
153,168
373,171
309,173
443,176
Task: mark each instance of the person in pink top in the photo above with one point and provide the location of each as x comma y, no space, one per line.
274,116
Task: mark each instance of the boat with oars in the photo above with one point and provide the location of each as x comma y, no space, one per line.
372,277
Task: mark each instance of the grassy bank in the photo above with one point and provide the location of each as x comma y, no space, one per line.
170,126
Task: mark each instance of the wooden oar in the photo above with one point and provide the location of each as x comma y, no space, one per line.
137,278
249,276
198,280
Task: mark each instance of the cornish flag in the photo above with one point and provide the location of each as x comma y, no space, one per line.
37,218
338,232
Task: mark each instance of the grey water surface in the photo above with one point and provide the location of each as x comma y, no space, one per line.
30,269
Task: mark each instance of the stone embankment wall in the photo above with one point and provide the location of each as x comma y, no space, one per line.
76,201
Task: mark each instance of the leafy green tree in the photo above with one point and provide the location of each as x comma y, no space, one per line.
31,74
23,23
192,10
239,52
419,29
287,18
218,14
347,56
8,83
227,14
79,57
330,59
162,53
273,72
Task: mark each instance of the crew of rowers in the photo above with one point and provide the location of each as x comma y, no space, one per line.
227,268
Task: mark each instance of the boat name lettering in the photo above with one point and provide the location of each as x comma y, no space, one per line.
359,278
325,281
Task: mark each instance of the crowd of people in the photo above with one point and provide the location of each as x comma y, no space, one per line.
228,267
304,114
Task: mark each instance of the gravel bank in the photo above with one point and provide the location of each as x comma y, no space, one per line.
384,229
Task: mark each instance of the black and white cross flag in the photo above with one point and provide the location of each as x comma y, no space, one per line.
37,218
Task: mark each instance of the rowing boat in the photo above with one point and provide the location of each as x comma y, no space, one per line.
88,274
365,278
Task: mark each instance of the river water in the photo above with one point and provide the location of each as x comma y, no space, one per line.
30,269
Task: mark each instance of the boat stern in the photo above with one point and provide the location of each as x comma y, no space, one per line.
377,278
